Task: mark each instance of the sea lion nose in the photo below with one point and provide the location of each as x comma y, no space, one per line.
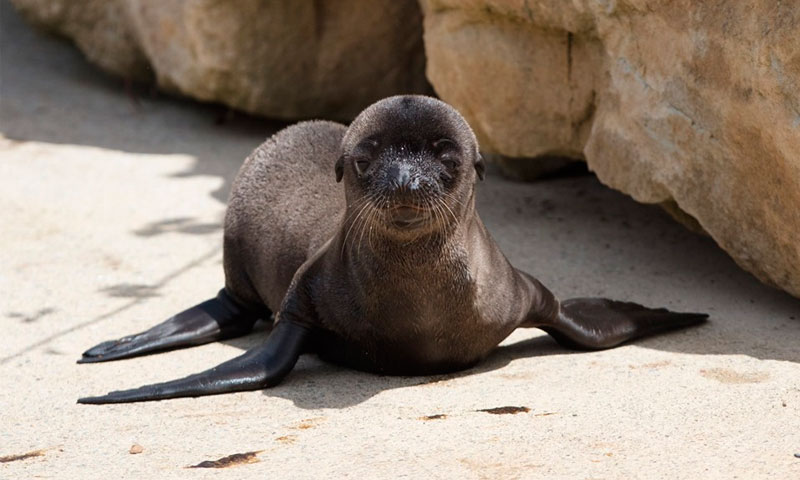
401,177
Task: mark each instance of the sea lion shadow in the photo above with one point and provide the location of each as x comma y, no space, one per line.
186,225
316,384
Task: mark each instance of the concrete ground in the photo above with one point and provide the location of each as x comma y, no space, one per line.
110,209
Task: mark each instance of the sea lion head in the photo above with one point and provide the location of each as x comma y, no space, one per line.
409,165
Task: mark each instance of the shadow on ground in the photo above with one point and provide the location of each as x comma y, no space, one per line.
332,386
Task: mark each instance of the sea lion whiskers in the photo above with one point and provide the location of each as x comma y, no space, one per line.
366,203
441,202
380,211
352,217
440,221
418,195
367,223
437,212
431,239
454,198
441,211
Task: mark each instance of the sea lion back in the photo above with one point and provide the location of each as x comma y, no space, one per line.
284,204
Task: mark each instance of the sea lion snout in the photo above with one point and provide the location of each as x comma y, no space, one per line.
404,182
400,178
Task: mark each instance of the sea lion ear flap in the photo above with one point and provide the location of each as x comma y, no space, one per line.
480,166
339,168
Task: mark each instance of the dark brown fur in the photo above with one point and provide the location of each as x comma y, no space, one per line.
284,205
392,301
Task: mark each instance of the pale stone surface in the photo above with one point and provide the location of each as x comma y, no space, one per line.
110,216
689,104
283,59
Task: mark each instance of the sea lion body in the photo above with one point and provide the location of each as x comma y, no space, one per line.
283,206
428,305
392,272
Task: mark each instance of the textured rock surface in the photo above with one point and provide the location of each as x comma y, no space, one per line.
691,104
98,27
283,58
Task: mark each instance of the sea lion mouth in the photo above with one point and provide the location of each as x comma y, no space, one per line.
407,216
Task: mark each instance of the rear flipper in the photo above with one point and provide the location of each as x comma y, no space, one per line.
598,323
215,319
261,367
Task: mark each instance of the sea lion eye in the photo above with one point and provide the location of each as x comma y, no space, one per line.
449,163
447,151
444,145
362,164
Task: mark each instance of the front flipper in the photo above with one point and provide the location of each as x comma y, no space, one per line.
261,367
598,323
215,319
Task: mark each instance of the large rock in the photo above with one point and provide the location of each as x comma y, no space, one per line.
282,58
695,105
100,28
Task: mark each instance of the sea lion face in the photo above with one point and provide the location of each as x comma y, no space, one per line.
409,164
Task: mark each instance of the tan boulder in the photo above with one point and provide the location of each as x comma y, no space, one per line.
283,58
100,29
695,105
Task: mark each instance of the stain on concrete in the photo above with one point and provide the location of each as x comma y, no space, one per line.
517,375
491,470
726,375
308,423
508,410
438,416
24,456
230,460
651,365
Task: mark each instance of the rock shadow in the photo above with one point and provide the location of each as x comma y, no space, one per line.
583,239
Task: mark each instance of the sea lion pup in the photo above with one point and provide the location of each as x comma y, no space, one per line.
395,273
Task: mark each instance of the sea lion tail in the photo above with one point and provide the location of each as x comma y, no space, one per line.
599,323
215,319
